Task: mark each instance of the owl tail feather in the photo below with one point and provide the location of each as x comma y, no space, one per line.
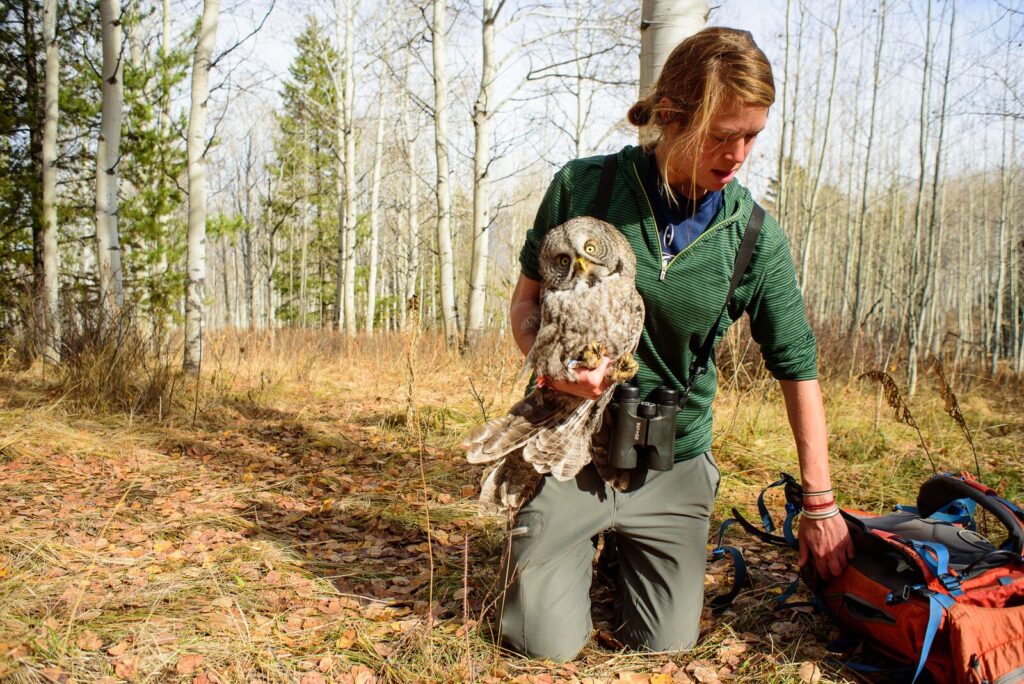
565,449
539,410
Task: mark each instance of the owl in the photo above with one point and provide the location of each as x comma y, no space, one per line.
589,308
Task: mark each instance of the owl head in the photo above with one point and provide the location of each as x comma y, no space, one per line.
584,249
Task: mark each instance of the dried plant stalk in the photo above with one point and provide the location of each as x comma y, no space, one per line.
899,407
952,407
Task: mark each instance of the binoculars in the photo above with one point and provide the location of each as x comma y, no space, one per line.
643,429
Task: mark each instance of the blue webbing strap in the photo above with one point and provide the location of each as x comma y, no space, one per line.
937,605
939,565
740,576
791,512
957,512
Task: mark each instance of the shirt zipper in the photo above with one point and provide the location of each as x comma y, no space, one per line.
661,255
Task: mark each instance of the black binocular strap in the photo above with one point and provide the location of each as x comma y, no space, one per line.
700,362
604,187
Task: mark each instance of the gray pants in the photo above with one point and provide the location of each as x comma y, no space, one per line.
661,527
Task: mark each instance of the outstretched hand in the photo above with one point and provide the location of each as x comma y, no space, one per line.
827,542
590,382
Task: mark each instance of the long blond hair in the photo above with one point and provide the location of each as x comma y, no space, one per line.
713,68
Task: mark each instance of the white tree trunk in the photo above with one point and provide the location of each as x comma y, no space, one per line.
663,25
196,260
51,252
481,161
107,152
378,155
449,308
413,208
823,147
347,101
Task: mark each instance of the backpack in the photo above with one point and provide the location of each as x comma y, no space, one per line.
924,588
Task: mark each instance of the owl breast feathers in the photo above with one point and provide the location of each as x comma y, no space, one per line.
589,308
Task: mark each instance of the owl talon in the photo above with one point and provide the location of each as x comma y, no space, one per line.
625,368
591,355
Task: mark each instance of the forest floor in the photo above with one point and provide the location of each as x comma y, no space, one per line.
306,515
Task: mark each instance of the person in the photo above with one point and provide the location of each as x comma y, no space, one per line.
676,199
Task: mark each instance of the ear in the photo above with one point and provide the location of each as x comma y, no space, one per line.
665,117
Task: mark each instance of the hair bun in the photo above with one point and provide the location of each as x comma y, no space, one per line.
640,113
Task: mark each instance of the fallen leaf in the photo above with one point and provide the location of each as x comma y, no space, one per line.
347,639
125,668
88,641
363,675
55,674
187,664
312,678
705,675
809,673
119,649
383,650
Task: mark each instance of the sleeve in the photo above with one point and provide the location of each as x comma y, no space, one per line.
778,320
554,210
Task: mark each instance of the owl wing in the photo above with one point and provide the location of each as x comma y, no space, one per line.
538,411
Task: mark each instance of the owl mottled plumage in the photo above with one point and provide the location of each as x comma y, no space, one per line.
589,308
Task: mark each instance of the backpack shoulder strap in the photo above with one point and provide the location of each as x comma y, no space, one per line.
750,235
604,187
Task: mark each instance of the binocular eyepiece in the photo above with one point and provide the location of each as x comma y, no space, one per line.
643,429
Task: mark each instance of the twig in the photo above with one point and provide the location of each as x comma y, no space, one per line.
952,407
902,411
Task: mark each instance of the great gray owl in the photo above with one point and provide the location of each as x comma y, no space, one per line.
589,308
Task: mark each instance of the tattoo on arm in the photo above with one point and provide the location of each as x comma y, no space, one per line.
531,323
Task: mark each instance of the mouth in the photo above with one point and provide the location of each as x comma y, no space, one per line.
724,176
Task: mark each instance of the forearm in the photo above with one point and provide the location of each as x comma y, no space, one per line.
806,413
524,313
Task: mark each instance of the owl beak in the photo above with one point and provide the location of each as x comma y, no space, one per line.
582,264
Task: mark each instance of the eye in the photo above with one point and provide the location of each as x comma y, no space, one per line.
590,248
563,260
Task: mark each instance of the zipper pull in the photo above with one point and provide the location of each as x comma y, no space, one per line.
664,269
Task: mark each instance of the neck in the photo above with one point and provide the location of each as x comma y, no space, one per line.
677,179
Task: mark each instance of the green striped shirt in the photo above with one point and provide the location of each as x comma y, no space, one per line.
684,296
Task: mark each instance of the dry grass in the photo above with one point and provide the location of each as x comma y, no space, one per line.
304,514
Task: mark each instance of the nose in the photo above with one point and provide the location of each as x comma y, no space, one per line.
737,150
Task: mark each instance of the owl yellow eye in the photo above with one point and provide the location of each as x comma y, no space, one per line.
590,248
563,260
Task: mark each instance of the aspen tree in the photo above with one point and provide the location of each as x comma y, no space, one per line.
51,252
663,25
375,182
449,307
858,282
195,292
108,246
823,149
481,162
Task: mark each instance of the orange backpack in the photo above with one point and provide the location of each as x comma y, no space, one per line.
924,587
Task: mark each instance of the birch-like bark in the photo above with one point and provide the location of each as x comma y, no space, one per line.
51,253
481,185
823,149
449,307
378,156
858,280
412,216
663,25
1001,251
108,146
349,202
782,162
195,291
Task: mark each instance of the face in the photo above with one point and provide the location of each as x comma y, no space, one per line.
730,138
